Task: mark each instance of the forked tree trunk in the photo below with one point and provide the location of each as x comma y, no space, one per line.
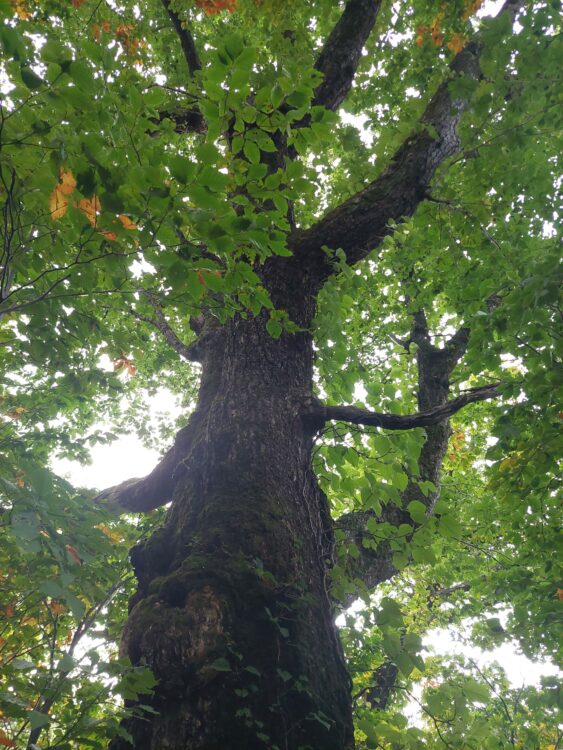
236,580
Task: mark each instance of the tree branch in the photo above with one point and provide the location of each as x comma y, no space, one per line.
154,490
162,325
359,224
186,40
405,421
373,566
185,120
342,51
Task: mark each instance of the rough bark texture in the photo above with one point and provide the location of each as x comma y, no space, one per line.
238,571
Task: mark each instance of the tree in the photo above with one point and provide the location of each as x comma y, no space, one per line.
184,183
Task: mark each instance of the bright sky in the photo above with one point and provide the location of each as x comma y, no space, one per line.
125,458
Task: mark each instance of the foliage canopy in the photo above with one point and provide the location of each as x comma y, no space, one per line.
139,185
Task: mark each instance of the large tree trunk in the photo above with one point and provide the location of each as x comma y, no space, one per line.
236,580
232,612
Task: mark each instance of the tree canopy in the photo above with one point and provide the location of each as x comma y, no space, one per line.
154,158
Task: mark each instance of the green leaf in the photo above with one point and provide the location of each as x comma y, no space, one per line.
389,613
55,51
66,663
81,74
417,511
252,152
274,328
30,78
476,691
204,198
276,95
37,719
181,168
298,99
221,665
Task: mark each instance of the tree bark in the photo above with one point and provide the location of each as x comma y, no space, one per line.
236,579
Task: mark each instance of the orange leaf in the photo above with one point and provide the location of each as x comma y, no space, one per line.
90,207
56,607
5,741
108,235
78,3
471,8
212,7
9,610
127,222
16,412
456,43
58,204
124,362
67,183
123,31
74,554
200,278
560,594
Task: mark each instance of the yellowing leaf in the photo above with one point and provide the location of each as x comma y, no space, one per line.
456,43
58,204
5,741
73,553
127,222
108,235
20,8
16,412
90,207
112,534
67,183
